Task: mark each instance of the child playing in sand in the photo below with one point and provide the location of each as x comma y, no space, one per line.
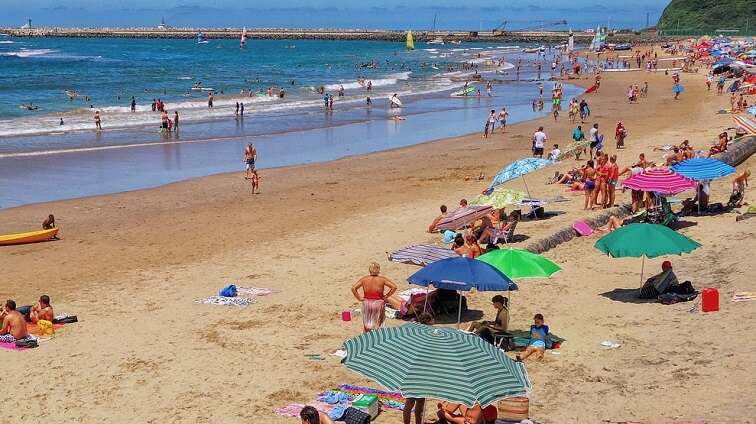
538,333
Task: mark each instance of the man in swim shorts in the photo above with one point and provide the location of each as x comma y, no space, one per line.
14,325
250,156
43,310
538,333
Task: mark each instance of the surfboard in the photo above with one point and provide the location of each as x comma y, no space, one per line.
464,92
396,101
591,89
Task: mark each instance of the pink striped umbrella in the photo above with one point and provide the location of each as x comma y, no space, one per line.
461,217
660,180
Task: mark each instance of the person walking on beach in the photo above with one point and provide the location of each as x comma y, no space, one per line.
98,122
164,121
330,102
210,100
325,101
539,141
250,157
236,112
133,104
594,139
373,297
175,120
241,109
503,118
489,88
490,122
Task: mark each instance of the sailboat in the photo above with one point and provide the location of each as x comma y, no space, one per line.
437,40
243,42
201,38
410,41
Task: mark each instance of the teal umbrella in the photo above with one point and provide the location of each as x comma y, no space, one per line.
645,240
519,263
421,361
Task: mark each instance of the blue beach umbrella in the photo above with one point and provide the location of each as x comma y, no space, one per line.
518,169
462,274
703,169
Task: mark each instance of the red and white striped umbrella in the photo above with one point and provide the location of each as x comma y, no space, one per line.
462,217
660,180
747,124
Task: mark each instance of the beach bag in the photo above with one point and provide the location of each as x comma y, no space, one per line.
355,416
66,320
27,343
228,291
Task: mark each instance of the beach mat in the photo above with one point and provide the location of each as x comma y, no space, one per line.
522,338
582,228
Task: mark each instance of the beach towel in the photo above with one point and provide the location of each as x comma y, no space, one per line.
253,291
292,410
744,296
388,400
34,331
226,301
373,314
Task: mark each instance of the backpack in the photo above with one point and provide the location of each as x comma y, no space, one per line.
27,343
228,291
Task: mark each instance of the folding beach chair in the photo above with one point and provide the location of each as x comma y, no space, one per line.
507,236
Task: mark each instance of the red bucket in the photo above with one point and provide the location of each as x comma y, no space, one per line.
710,300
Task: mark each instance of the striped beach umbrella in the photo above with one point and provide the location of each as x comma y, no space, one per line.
421,254
703,169
518,169
462,217
659,180
747,124
421,361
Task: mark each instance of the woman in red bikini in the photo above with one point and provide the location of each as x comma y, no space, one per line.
373,297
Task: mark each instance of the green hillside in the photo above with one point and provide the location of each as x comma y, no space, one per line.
692,16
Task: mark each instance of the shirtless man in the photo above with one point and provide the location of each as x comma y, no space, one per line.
432,226
41,311
14,325
49,223
455,413
373,296
310,415
250,157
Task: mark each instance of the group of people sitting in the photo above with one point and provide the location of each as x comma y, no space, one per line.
14,319
490,230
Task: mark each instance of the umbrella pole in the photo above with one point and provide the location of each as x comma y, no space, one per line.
526,185
425,307
643,263
459,310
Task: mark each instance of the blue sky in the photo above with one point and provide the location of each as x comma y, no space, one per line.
391,14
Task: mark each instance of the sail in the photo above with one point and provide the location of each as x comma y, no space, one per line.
410,41
243,41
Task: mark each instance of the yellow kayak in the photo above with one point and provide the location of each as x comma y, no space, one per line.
30,237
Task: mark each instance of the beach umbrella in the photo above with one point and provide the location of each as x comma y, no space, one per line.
462,217
421,254
703,169
421,361
519,169
645,241
659,180
499,198
462,274
520,263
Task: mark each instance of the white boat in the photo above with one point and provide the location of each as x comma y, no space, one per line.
201,38
437,40
243,42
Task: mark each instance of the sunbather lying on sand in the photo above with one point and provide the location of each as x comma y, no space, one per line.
613,223
310,415
14,325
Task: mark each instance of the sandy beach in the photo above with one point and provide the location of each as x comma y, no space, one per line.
130,265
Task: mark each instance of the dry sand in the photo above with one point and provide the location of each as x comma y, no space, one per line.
131,264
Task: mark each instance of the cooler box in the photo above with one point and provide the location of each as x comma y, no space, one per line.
367,404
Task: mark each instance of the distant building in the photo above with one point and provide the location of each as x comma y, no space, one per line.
27,25
163,25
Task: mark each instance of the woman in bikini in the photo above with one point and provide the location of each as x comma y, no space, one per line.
589,184
373,297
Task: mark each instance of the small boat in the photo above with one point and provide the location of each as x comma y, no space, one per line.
201,38
30,237
410,41
455,42
243,42
437,40
623,46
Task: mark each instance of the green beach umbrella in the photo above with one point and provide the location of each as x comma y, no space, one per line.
499,198
520,263
645,240
421,361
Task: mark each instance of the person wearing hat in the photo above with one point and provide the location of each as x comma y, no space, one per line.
665,281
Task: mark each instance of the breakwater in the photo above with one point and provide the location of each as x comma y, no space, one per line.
550,37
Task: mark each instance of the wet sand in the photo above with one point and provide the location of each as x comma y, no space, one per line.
131,264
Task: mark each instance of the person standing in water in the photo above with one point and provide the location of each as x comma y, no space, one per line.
503,118
241,109
175,120
210,100
133,104
236,112
98,122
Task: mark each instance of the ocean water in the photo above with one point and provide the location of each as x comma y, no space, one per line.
130,153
